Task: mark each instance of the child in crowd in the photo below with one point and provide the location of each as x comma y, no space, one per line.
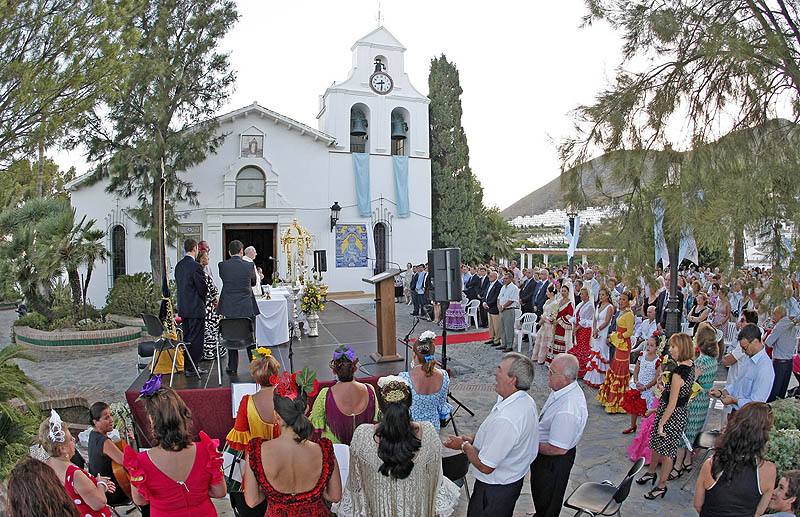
639,398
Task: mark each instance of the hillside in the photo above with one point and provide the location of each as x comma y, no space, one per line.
548,197
598,171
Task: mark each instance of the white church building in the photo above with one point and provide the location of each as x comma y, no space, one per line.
369,156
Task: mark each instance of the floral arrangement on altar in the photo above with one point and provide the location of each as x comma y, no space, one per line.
312,299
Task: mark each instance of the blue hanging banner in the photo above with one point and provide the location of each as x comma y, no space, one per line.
361,173
400,166
572,238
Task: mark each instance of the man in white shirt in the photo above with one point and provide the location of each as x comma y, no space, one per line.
646,329
561,424
756,375
506,443
507,301
592,284
250,256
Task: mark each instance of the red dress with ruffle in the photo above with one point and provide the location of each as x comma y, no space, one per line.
306,504
83,508
169,498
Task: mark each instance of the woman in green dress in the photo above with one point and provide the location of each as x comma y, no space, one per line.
705,367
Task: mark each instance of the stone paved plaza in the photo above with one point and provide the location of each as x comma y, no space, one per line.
601,453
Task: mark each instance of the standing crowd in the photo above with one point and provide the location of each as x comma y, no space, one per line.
284,451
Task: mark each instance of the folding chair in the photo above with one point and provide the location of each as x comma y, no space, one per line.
237,334
163,342
602,498
455,469
706,440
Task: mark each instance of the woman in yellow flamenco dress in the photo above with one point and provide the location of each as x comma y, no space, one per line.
616,382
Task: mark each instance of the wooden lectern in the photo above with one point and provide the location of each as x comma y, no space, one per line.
384,309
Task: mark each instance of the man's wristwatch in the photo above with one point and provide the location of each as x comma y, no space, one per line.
463,444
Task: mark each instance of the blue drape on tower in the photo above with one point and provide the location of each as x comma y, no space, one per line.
361,170
400,166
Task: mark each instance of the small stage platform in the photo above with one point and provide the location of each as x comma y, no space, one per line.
211,403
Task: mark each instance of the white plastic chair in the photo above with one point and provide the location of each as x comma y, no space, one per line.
730,336
472,312
528,328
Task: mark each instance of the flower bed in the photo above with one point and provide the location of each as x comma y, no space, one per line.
90,342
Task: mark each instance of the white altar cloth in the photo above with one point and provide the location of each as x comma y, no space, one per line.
272,325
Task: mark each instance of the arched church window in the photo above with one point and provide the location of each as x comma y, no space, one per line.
250,188
399,132
359,129
117,251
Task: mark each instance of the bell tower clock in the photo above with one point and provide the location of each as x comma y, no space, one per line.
380,81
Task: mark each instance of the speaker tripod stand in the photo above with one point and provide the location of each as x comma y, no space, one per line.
459,405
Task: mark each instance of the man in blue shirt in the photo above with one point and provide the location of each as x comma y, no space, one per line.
784,346
756,375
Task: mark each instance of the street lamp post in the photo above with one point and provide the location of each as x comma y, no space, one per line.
571,214
673,310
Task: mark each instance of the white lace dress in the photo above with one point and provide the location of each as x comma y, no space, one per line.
598,363
369,493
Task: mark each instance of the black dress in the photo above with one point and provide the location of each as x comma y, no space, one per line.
735,497
674,427
100,464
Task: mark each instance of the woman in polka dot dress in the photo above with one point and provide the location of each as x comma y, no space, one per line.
87,492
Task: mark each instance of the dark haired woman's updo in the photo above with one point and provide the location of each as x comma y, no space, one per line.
424,351
293,413
397,441
344,368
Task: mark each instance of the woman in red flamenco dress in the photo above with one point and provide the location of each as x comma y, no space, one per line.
562,337
616,384
582,322
315,475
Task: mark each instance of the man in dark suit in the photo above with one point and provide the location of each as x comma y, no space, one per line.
481,289
413,288
237,299
192,290
490,305
541,293
527,290
663,298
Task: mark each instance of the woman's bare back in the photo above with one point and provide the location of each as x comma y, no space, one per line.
291,467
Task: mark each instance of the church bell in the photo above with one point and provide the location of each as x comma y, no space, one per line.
358,123
399,128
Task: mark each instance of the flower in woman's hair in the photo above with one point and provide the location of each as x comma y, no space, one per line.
306,380
261,352
150,387
344,351
656,333
285,385
427,336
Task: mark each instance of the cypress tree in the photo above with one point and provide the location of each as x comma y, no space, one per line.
453,186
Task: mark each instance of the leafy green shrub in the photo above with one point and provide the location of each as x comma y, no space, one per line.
17,424
33,320
787,413
784,449
132,295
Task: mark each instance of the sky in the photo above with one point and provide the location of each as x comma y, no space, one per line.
523,67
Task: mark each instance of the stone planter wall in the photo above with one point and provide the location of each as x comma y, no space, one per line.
76,343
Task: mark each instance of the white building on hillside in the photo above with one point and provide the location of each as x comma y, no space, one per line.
369,155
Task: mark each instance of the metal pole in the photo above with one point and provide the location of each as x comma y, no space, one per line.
673,309
572,232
